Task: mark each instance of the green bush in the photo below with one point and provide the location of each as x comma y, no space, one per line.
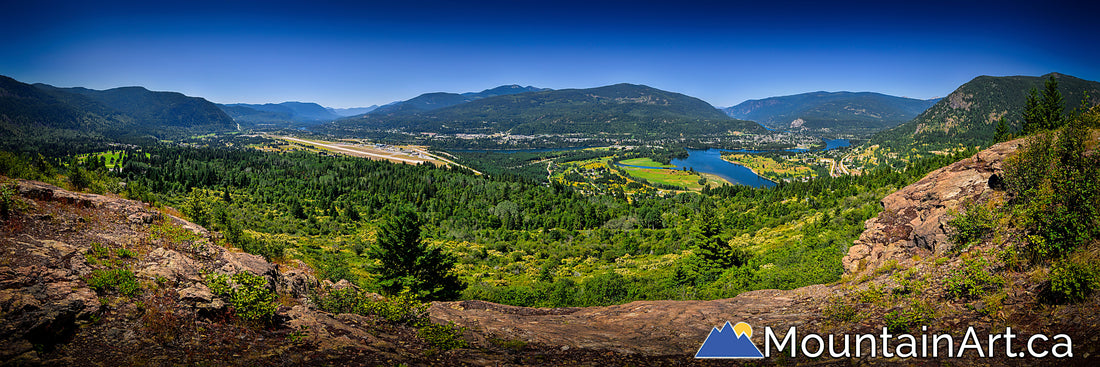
97,252
270,249
9,199
443,336
251,299
1052,180
972,280
970,227
124,253
840,310
121,280
1073,280
909,318
403,309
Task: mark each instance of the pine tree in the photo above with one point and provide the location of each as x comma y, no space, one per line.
408,263
1044,112
1002,131
1032,112
712,247
1052,105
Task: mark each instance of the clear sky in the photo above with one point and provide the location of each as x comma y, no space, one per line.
346,54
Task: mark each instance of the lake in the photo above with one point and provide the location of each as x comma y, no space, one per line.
710,161
831,144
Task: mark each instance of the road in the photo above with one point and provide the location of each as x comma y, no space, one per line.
390,156
354,152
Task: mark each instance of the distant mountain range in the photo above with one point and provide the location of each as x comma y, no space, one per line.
827,113
288,114
352,111
969,115
434,101
279,113
624,110
966,117
40,109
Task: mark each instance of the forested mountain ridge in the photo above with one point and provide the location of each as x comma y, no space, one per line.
437,100
969,115
39,110
24,107
152,110
621,109
830,112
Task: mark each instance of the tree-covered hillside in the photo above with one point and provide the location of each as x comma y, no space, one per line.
151,110
31,115
969,115
437,100
618,110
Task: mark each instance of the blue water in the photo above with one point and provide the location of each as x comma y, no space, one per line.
836,143
710,161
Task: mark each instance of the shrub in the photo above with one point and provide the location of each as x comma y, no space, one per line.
9,199
1073,280
270,249
1056,195
971,226
402,309
97,254
251,299
905,319
840,310
872,294
120,280
124,253
972,280
443,336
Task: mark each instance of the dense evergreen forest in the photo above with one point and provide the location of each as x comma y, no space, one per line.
516,241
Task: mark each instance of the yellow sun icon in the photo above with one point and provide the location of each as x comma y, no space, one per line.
742,329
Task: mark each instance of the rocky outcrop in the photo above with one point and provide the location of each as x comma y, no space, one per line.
42,297
913,219
47,261
653,328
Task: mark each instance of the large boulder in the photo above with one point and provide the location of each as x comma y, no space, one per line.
913,220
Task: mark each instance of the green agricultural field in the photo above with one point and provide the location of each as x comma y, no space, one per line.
666,176
645,162
772,168
112,158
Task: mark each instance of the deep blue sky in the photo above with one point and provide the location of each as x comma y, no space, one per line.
345,54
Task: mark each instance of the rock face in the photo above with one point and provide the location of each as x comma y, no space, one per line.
47,258
41,295
913,219
653,328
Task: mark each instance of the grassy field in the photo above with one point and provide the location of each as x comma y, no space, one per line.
666,176
113,157
645,162
772,168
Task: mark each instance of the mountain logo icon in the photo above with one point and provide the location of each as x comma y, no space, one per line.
731,341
